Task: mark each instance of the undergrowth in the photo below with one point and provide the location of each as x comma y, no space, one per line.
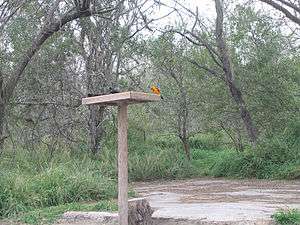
49,215
31,181
21,192
287,217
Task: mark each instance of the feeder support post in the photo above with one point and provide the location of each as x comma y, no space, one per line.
122,164
122,100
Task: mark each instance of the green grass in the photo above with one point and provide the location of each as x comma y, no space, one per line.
156,163
150,161
277,157
232,164
34,183
287,217
49,215
204,160
35,187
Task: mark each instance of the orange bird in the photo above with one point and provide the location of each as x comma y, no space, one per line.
156,90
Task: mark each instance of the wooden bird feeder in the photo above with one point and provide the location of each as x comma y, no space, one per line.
122,100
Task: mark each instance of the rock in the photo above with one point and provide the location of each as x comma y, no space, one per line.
139,212
103,217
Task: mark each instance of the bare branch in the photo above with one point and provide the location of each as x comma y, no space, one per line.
213,53
285,11
289,4
211,71
8,10
47,31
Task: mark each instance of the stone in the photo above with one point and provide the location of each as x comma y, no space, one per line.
139,212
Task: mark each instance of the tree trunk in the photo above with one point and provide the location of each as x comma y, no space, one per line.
229,75
245,114
185,139
144,136
186,146
95,127
2,114
239,139
2,137
139,213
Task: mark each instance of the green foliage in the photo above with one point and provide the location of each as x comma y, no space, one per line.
275,158
270,87
287,217
51,214
266,70
289,170
30,185
235,164
249,165
165,141
56,184
159,163
204,160
29,182
205,141
157,158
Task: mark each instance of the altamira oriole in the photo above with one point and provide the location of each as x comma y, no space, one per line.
156,90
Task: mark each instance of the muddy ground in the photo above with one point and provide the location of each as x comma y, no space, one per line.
219,200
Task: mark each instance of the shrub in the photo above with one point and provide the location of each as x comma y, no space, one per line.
158,163
205,141
287,217
49,215
289,170
277,157
165,141
55,186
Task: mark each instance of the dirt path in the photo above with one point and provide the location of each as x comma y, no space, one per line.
218,200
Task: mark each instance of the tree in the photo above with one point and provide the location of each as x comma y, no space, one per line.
257,42
54,19
177,81
290,8
102,43
7,10
229,74
219,52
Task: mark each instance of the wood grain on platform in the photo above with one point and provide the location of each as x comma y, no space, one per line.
130,97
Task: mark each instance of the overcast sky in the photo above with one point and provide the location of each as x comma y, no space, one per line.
206,10
206,7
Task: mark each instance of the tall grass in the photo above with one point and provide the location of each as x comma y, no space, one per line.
26,185
277,157
287,217
156,163
32,180
150,160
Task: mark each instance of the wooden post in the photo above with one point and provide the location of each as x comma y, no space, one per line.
122,164
122,100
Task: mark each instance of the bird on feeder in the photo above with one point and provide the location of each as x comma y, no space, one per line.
114,90
156,90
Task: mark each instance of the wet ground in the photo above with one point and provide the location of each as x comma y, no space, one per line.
218,200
